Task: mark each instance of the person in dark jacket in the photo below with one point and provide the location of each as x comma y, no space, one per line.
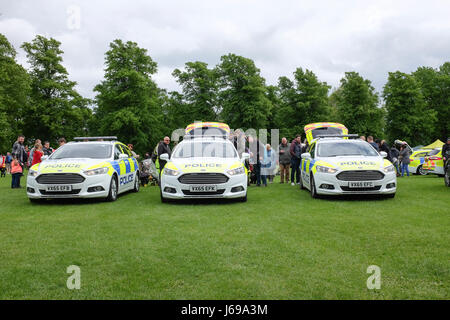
163,148
394,155
373,143
256,149
446,150
384,147
18,151
47,149
284,155
296,155
404,159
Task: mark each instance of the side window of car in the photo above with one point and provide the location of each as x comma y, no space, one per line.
117,152
126,150
312,149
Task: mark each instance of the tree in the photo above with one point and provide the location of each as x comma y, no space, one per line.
303,100
199,85
408,117
56,108
14,91
128,100
242,93
357,106
435,87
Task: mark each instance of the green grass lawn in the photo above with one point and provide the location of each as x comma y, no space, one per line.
281,244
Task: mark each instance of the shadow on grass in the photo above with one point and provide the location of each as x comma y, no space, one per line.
356,197
200,201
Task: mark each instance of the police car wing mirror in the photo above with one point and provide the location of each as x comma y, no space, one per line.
306,155
44,158
123,156
383,154
164,157
245,156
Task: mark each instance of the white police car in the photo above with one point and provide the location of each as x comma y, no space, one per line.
336,166
92,168
204,167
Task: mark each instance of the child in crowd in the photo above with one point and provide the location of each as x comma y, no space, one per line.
37,154
16,172
2,165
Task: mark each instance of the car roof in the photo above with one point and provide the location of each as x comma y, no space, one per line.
329,140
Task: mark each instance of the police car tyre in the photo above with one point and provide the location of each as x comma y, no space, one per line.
136,182
447,177
391,195
243,199
420,171
313,188
113,190
35,200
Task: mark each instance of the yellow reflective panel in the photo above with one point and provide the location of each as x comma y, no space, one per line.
123,167
62,167
203,167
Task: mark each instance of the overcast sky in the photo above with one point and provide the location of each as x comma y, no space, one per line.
328,37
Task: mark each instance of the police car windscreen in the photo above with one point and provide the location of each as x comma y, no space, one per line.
337,149
434,152
325,130
205,150
92,151
208,131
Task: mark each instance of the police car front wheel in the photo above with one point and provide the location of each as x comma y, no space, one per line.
136,182
313,188
112,195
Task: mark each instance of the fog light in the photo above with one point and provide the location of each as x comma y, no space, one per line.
390,185
30,190
237,189
95,189
170,190
326,186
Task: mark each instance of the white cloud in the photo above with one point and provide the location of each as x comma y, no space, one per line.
328,37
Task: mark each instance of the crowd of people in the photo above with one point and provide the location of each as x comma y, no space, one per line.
22,157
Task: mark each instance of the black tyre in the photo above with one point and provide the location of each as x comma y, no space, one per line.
137,183
243,199
313,188
420,171
35,200
390,196
113,190
447,178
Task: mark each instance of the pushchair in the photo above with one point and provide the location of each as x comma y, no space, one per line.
148,173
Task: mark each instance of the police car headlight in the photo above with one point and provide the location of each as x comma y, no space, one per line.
234,172
94,172
170,172
325,169
32,173
389,168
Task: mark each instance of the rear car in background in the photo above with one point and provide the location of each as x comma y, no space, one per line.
92,168
434,162
336,166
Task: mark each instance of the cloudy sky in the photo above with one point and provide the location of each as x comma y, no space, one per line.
328,37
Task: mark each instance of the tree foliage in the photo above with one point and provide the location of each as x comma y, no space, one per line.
357,106
128,100
302,100
408,117
242,93
199,84
14,95
56,109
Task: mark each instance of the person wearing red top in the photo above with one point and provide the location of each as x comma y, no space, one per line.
2,166
37,154
16,172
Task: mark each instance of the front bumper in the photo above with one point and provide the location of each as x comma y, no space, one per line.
224,189
342,187
79,190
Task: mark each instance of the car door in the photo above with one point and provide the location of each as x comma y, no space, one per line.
131,166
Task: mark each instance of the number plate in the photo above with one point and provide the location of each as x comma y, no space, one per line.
208,188
59,188
361,184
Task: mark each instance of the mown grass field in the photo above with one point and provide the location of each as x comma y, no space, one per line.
281,244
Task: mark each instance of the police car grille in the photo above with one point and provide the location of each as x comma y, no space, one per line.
203,178
207,193
360,175
60,178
